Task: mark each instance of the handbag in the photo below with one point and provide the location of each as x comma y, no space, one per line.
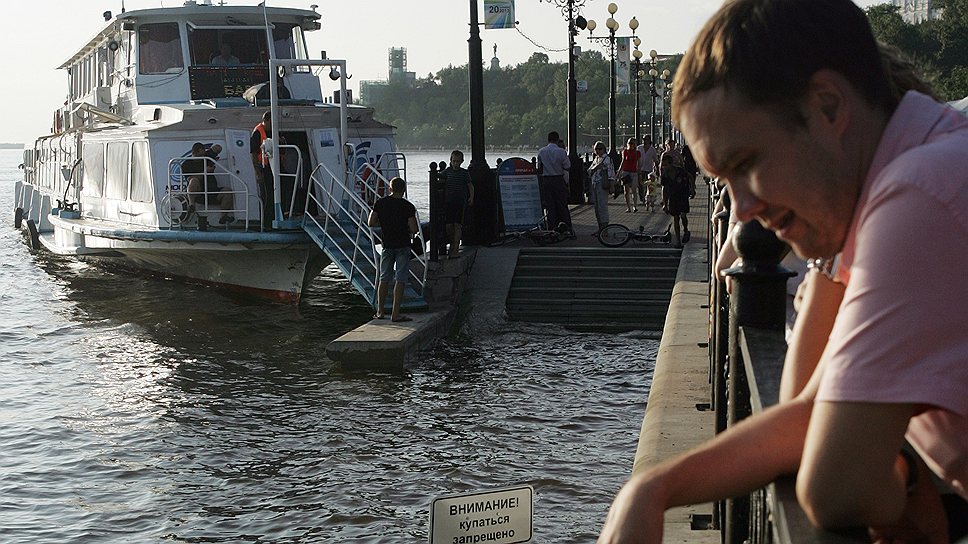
608,183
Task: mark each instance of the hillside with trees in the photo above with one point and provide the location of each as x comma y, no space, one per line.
521,104
939,49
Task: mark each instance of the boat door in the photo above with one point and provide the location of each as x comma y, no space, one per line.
240,162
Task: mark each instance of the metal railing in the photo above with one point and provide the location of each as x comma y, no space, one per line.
184,204
347,211
746,349
296,176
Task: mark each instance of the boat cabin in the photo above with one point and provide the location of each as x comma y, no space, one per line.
197,52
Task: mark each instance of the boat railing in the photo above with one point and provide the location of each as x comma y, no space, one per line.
371,179
182,204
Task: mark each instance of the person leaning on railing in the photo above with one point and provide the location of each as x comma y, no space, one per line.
814,142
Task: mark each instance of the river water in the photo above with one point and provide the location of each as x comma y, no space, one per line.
142,410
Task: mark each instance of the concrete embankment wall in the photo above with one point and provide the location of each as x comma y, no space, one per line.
675,418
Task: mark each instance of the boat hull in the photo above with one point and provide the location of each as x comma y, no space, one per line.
275,265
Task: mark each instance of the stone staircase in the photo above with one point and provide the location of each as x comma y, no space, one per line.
604,289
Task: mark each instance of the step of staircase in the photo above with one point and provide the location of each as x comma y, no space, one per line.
594,288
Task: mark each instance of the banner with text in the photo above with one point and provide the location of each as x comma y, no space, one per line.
520,195
622,62
498,14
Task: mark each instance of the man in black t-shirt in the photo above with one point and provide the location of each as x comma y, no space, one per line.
677,189
397,218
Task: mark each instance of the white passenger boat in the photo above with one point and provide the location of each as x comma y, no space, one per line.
108,184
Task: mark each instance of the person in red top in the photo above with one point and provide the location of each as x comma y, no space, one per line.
629,173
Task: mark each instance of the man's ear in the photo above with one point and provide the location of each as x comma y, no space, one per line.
827,96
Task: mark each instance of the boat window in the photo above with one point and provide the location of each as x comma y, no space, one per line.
227,47
141,190
93,169
289,44
116,171
159,48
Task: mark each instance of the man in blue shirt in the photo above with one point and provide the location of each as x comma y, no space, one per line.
554,164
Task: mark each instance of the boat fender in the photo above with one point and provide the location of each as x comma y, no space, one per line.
18,217
34,234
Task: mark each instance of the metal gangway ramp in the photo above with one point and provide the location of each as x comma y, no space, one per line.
337,209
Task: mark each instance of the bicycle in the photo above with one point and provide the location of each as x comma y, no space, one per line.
616,235
537,235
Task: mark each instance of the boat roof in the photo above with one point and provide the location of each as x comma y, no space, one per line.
202,14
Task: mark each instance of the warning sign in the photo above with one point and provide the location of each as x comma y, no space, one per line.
503,516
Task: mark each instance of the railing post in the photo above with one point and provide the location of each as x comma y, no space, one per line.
721,330
720,339
436,211
758,300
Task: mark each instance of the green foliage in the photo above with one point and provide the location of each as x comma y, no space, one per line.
521,104
939,49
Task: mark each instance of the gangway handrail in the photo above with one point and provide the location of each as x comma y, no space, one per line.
219,170
359,215
373,194
355,202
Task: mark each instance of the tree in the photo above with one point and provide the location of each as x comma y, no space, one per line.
521,104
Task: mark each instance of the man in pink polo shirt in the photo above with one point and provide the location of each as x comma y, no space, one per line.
815,146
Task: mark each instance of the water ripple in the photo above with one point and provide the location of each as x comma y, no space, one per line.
142,410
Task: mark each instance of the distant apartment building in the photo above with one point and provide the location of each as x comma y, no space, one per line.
371,90
918,11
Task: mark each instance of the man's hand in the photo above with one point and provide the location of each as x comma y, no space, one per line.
923,519
635,515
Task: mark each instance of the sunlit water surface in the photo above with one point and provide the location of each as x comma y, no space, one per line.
140,410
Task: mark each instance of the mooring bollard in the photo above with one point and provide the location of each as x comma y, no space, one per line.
758,300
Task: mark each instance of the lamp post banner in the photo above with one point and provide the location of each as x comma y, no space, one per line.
498,14
622,65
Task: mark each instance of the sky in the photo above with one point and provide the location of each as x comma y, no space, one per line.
434,32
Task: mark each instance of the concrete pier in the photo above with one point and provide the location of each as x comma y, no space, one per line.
677,417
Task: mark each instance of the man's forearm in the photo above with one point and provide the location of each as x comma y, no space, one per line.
737,461
743,458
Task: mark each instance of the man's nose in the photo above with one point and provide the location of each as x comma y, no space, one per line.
745,204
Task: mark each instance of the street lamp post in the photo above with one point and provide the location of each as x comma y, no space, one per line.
576,172
666,113
612,26
637,73
485,217
653,88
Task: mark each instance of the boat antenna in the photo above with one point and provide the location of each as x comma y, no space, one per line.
122,6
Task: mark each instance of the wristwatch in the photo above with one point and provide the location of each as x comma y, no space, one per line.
825,265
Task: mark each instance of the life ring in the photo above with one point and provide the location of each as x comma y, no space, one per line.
34,234
18,217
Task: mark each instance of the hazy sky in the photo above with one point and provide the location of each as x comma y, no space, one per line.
36,36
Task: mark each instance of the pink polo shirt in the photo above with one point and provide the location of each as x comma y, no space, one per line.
901,335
